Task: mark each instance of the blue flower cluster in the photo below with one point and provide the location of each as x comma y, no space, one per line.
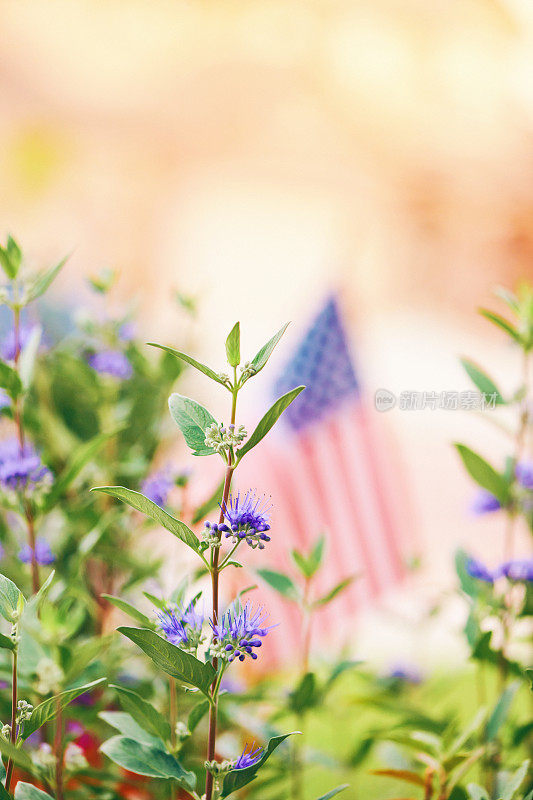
43,553
519,569
157,487
111,362
21,468
239,631
245,518
182,627
248,757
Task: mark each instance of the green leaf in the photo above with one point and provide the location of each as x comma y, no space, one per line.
280,582
143,713
81,456
305,694
14,253
485,475
9,266
6,642
332,594
128,609
501,322
238,778
28,355
17,754
499,715
189,360
11,598
126,725
266,351
405,775
513,783
9,380
141,503
333,792
197,714
192,419
172,660
143,760
3,794
45,279
48,709
310,564
209,505
26,791
233,346
485,385
269,420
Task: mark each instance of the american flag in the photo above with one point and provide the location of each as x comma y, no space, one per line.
330,470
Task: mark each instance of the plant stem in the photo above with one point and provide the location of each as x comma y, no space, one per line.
17,415
13,737
520,441
58,752
215,569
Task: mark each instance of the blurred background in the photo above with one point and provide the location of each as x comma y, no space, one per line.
256,156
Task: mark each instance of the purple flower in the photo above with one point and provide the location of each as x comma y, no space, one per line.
248,757
246,518
239,631
111,362
5,400
43,554
21,467
519,569
524,474
7,346
476,569
182,627
157,487
127,331
406,672
484,503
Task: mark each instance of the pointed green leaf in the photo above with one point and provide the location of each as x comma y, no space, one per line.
480,379
189,360
266,351
143,760
484,474
14,253
45,279
280,582
141,503
128,609
501,710
6,642
333,792
400,775
233,346
192,419
209,505
3,794
79,458
269,420
28,356
332,594
48,708
9,265
16,754
172,660
143,713
513,782
9,380
126,725
238,778
305,695
26,791
501,322
11,599
196,715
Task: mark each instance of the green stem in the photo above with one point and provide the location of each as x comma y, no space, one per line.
58,752
14,700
